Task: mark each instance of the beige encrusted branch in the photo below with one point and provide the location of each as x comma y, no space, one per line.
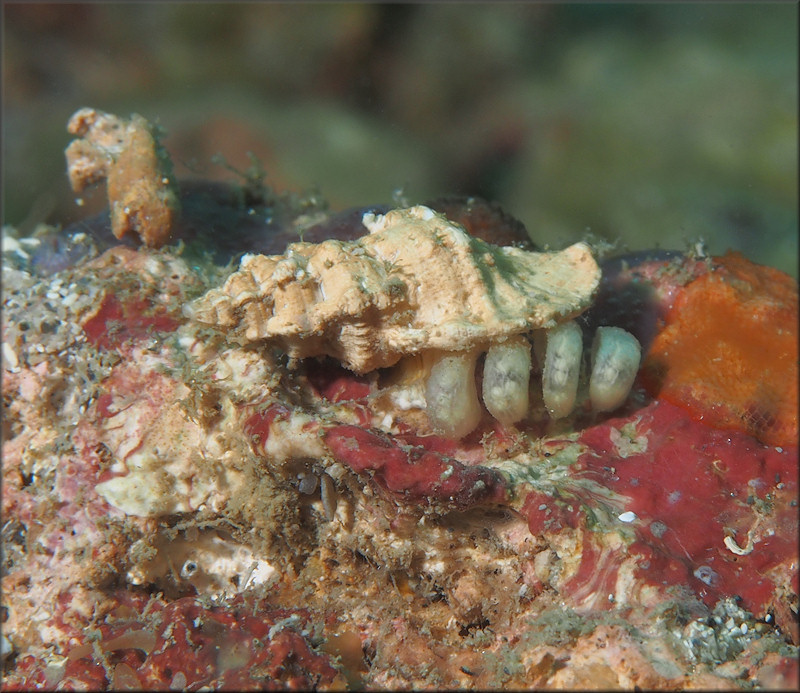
142,191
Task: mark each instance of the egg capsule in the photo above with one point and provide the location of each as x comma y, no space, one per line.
562,366
615,361
506,372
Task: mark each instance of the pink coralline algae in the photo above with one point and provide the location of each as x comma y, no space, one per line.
745,544
652,474
131,321
412,472
151,644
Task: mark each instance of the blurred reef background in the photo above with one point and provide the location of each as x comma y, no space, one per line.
654,125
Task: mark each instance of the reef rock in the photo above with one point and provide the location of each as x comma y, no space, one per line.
416,282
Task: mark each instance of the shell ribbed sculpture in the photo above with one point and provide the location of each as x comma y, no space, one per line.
416,282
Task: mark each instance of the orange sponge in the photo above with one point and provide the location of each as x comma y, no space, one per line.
729,351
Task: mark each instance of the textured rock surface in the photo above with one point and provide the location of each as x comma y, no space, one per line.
180,510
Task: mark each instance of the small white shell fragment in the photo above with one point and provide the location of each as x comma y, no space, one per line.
627,517
615,362
733,547
328,496
260,574
178,682
416,282
138,493
6,648
562,367
451,395
11,362
506,373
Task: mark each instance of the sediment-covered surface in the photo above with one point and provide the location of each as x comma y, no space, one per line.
183,510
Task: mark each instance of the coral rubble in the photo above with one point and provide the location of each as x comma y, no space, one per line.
190,507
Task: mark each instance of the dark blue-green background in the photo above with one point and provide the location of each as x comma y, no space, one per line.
654,125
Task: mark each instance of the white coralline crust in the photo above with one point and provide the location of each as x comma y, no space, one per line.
615,362
211,562
416,282
172,464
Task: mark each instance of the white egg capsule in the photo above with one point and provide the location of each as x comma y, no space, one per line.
615,361
506,372
562,366
451,395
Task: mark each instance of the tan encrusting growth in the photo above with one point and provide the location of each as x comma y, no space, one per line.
142,193
416,282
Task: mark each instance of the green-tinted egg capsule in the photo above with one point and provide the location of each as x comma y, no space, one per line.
562,366
506,372
615,361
